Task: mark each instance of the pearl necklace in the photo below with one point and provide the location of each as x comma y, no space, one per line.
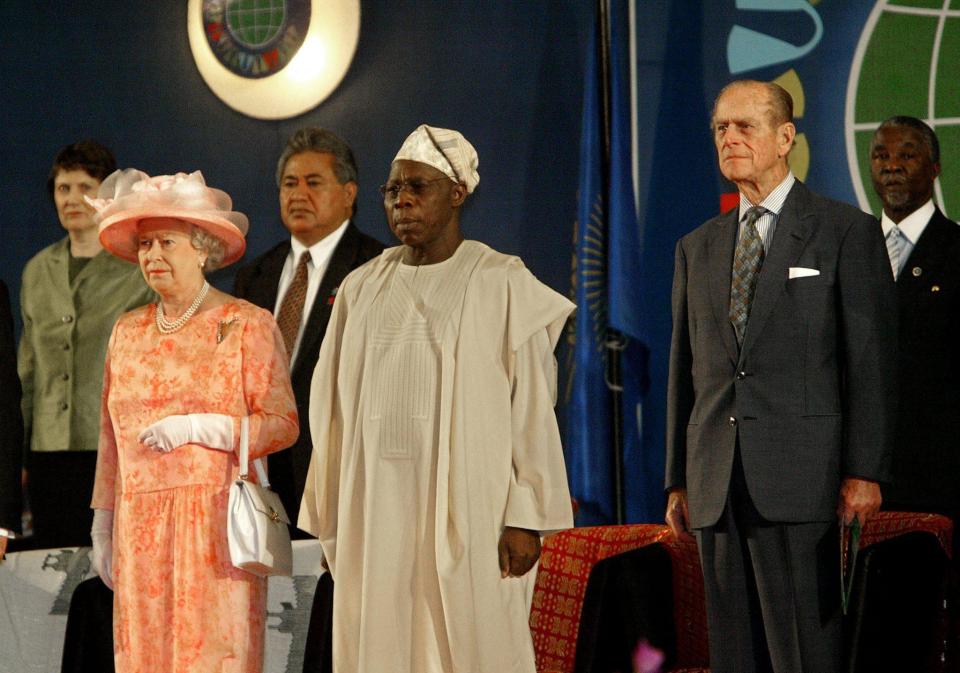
170,326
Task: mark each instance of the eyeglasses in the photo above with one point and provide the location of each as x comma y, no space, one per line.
416,187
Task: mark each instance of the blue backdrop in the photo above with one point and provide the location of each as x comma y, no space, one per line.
849,64
506,74
510,75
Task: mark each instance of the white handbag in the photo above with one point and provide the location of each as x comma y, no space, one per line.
257,523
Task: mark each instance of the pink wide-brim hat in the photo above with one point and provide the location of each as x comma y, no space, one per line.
129,196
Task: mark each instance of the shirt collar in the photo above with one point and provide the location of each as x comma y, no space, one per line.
913,224
322,248
775,199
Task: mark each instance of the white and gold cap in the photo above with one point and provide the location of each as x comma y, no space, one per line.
444,149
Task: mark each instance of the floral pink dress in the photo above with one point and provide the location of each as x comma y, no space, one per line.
179,604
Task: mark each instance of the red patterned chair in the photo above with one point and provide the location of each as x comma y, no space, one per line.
565,566
569,557
899,618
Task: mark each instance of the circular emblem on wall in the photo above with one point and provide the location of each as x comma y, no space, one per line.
255,38
273,59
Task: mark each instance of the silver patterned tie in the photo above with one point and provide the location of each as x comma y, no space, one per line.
747,261
894,249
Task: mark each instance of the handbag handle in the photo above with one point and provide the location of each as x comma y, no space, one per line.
245,455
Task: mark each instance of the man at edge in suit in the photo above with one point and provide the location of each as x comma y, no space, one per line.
924,250
298,281
11,440
779,413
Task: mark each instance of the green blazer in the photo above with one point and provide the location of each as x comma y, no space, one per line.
64,343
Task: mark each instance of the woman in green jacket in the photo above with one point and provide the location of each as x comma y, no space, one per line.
72,293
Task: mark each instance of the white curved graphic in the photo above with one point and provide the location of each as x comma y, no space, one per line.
852,126
849,112
748,49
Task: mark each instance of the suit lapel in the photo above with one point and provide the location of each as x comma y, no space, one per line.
263,292
928,255
720,254
341,263
789,239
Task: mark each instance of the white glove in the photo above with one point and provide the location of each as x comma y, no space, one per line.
101,533
214,431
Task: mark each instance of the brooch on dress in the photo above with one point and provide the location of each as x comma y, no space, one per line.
222,326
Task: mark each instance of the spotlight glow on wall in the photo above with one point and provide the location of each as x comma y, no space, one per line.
273,59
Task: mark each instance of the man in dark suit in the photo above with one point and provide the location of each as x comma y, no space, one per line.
924,251
317,177
11,426
298,281
779,408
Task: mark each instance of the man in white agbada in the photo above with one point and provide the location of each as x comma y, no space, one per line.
437,462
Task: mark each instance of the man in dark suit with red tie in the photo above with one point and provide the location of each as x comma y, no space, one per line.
924,250
298,281
317,177
780,407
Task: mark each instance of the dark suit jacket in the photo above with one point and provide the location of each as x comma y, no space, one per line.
809,393
257,282
926,457
11,422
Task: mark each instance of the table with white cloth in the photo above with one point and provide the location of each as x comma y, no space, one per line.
35,591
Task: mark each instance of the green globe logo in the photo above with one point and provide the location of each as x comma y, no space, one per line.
255,38
907,63
254,24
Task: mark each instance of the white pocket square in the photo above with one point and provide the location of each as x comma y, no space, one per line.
802,272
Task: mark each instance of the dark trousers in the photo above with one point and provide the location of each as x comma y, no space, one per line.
88,643
60,488
318,655
772,590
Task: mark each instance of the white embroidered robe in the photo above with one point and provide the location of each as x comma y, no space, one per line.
433,428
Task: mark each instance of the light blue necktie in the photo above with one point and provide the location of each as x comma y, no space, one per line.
895,249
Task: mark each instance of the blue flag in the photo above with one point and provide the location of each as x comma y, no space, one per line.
610,321
589,428
642,457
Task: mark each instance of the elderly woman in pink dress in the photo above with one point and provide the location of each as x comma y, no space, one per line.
180,374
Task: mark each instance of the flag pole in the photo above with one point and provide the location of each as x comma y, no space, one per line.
614,342
603,8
